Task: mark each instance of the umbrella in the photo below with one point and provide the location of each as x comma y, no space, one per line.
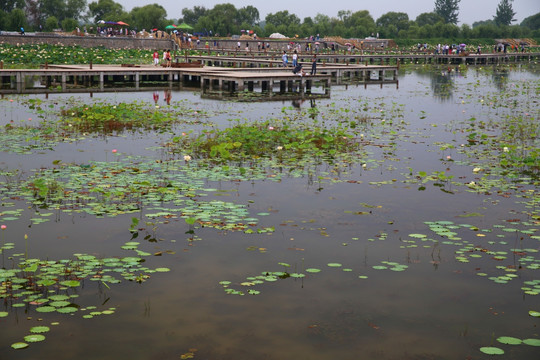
101,22
184,26
122,23
317,43
348,44
168,27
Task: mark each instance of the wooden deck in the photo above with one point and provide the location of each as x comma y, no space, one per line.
62,77
379,57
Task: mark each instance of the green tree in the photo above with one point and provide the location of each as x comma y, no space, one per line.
343,15
148,17
361,23
282,18
269,29
322,25
249,15
222,19
448,10
505,14
192,16
69,24
17,19
430,18
51,23
482,22
8,5
391,23
75,9
106,10
62,9
4,20
532,22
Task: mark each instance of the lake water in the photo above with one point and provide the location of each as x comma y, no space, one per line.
416,262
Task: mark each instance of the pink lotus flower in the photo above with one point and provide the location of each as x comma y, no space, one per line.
3,227
114,151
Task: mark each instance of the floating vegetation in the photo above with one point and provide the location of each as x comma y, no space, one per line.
392,165
50,286
252,141
109,118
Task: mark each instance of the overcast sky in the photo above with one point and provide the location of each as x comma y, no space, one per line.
469,10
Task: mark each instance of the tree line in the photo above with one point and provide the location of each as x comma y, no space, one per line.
226,20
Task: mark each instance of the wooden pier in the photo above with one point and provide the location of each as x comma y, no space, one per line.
207,78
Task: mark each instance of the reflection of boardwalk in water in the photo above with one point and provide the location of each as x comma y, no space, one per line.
101,78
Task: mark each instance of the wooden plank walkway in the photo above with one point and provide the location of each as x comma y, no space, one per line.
206,77
382,57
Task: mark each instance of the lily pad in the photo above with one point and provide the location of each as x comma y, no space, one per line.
39,329
509,340
490,350
532,342
19,345
34,338
334,264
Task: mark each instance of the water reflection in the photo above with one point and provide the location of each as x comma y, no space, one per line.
442,83
500,78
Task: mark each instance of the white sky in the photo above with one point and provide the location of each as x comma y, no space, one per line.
469,10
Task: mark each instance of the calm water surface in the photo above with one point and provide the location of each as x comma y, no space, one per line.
438,308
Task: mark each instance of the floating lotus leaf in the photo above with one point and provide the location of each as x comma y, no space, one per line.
45,309
70,283
59,304
334,264
509,340
313,270
39,329
532,342
67,309
491,350
3,314
19,345
34,338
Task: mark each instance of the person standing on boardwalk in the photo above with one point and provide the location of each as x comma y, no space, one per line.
314,64
156,58
168,58
295,58
285,59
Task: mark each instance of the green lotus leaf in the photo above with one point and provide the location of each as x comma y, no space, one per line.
70,283
509,340
532,342
39,329
19,345
490,350
45,309
34,338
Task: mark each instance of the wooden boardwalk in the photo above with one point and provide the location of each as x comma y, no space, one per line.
380,57
207,78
